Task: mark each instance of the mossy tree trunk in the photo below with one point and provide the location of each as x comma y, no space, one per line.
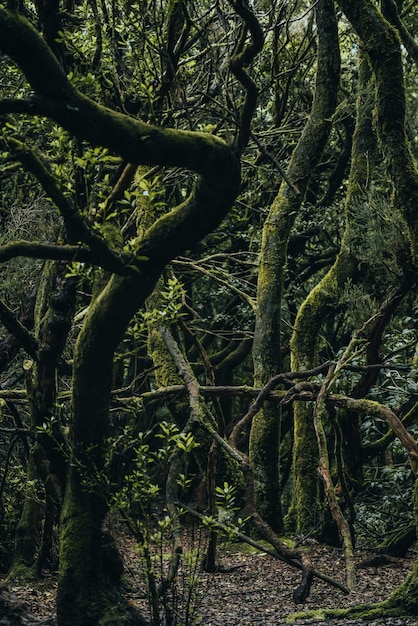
265,432
83,596
47,464
304,512
28,529
382,44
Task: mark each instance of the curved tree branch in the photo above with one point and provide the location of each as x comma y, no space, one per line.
371,407
243,59
22,334
77,228
35,250
134,140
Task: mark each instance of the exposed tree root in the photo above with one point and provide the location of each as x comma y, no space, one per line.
387,608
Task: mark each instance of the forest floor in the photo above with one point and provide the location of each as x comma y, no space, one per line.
254,589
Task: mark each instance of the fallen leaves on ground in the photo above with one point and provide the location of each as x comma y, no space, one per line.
255,589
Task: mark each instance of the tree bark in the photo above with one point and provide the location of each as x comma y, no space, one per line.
83,597
321,303
47,464
265,431
382,44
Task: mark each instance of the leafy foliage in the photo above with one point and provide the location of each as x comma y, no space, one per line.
185,82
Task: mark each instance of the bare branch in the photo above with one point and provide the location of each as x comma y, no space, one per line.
242,59
25,338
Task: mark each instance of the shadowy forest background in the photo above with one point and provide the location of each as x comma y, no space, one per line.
209,240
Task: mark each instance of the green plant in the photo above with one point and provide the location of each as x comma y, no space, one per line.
171,599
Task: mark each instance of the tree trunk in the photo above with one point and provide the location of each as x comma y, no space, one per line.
53,315
265,432
28,529
84,597
321,302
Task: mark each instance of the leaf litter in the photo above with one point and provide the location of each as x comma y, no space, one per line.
253,589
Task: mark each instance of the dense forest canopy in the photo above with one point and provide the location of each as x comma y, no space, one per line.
208,259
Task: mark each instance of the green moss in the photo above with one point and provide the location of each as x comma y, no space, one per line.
365,612
265,432
21,573
305,506
304,509
319,305
122,614
83,596
46,286
166,373
382,43
27,536
264,458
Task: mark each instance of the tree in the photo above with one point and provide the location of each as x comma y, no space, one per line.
390,111
265,433
155,133
82,595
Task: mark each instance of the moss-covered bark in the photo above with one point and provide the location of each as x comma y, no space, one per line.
47,463
265,432
28,529
83,597
165,369
52,326
320,303
382,45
